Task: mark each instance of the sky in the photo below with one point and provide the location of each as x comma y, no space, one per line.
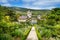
31,4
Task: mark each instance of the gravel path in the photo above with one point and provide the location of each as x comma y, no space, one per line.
32,35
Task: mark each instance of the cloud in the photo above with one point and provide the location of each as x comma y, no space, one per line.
14,0
28,0
33,4
45,2
42,4
37,8
5,3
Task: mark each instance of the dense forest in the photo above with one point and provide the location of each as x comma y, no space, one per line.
46,28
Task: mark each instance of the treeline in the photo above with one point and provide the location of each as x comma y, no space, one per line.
6,11
52,16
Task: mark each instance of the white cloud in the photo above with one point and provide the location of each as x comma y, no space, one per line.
14,0
33,4
45,2
41,0
42,4
32,7
6,4
28,0
4,1
48,7
36,7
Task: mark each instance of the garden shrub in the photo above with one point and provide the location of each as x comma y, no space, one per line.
5,37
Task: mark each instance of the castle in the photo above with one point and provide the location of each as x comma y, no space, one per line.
28,17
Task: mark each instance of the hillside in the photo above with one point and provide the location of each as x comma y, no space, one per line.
34,11
16,25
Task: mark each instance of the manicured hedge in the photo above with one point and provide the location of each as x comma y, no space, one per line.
26,33
38,34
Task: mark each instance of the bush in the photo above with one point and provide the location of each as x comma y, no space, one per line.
26,33
17,33
38,34
5,37
57,26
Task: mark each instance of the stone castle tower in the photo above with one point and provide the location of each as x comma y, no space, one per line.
29,14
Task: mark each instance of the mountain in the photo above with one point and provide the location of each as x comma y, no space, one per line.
24,10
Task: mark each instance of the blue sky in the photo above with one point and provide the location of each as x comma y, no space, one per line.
32,4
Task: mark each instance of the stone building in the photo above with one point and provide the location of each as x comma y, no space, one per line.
29,14
22,18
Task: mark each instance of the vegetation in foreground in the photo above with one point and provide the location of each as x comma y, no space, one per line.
49,28
10,29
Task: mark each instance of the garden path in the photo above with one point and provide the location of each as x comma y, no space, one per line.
32,35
